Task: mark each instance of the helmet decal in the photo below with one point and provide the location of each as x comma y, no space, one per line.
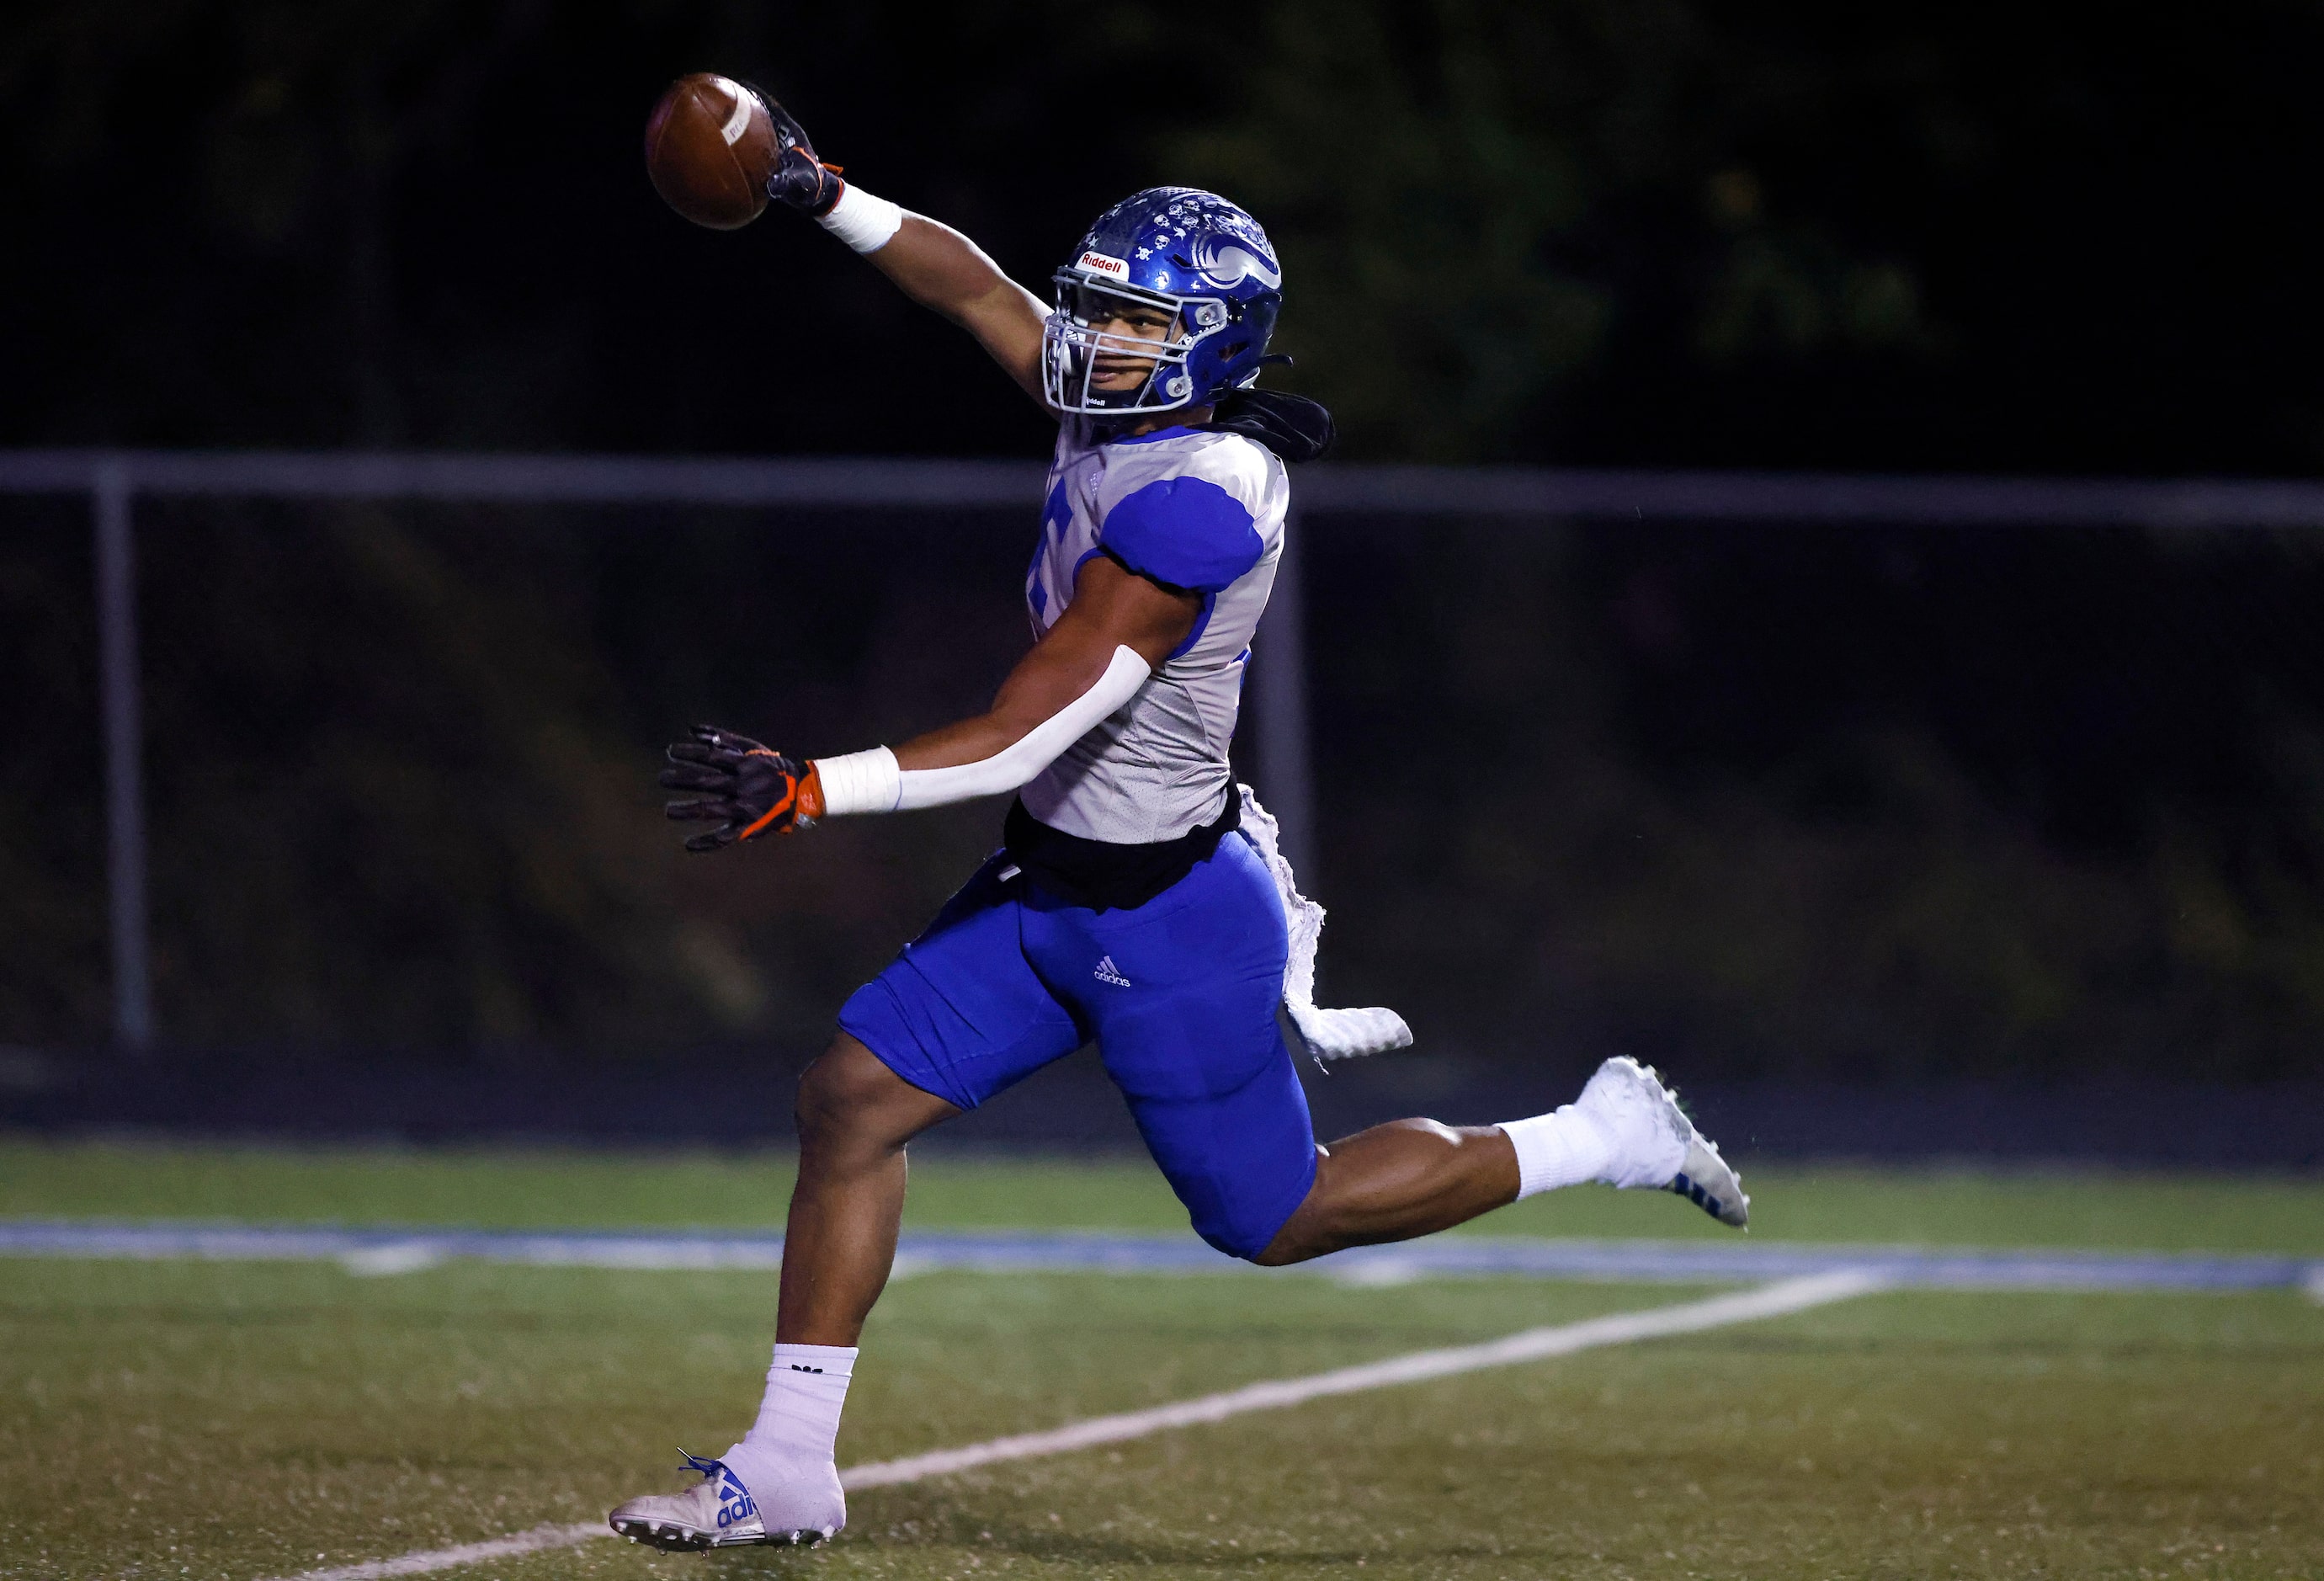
1227,264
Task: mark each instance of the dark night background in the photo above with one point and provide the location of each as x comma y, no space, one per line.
1774,803
1975,238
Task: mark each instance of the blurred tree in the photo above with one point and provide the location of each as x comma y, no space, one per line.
1430,305
1521,197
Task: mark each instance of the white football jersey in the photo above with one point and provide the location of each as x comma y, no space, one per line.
1190,509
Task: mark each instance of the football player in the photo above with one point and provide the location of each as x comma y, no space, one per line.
1132,904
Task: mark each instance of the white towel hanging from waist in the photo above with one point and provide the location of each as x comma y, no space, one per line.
1328,1034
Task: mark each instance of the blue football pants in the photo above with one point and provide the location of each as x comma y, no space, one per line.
1179,996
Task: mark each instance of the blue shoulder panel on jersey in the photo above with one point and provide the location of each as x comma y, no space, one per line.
1186,532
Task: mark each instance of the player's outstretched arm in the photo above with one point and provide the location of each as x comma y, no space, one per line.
941,269
933,263
1117,629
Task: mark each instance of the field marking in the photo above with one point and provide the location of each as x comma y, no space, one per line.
388,1252
1531,1344
427,1561
389,1261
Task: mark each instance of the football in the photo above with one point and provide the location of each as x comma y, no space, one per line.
710,148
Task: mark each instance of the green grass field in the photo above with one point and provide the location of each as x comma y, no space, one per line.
249,1420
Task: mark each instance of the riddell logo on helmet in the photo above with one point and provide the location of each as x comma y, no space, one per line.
1099,264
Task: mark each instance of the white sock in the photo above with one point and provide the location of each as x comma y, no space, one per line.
797,1431
1561,1149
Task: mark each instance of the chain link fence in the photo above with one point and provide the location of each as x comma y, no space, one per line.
1783,780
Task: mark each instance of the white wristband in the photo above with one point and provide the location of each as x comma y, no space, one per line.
860,781
863,222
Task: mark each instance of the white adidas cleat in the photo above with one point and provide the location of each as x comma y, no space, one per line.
1656,1146
718,1511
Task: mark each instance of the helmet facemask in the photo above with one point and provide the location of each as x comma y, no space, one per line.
1073,347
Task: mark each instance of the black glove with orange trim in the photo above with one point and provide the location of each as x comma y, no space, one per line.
799,178
747,790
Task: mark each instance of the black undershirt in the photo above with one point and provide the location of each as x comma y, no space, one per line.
1106,876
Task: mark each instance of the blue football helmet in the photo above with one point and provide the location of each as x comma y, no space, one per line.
1180,249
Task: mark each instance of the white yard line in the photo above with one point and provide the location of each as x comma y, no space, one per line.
1532,1344
540,1539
